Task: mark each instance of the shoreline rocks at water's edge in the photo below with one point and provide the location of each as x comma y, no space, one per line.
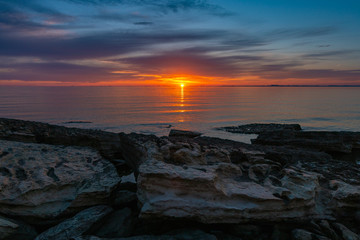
68,183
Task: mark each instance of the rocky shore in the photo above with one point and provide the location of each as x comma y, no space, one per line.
66,183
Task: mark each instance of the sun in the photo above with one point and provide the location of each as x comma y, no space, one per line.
182,85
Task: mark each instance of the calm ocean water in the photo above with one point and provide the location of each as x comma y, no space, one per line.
155,110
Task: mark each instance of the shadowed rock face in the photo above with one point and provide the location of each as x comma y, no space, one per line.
77,225
44,181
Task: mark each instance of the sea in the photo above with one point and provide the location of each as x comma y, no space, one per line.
158,109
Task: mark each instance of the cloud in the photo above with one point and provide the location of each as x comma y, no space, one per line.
324,46
326,75
17,6
330,53
143,23
54,71
96,46
17,21
290,33
193,61
164,6
124,32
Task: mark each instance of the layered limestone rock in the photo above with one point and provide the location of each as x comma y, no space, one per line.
45,181
187,186
182,187
216,181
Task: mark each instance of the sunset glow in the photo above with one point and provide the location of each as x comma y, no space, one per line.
210,42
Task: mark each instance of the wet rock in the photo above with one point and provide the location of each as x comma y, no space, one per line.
45,181
14,230
117,224
258,128
183,133
77,225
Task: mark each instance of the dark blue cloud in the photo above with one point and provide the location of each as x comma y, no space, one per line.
164,6
308,32
336,53
94,46
55,71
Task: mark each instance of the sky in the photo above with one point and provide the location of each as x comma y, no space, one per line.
206,42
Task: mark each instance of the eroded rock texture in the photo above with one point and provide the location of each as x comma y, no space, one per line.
45,181
216,181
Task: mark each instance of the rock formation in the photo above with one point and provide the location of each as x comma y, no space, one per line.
45,181
67,183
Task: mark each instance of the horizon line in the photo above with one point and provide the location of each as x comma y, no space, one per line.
192,85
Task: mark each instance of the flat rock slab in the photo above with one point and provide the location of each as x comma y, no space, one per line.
344,142
27,131
45,181
257,128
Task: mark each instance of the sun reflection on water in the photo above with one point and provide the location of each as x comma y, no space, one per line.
182,99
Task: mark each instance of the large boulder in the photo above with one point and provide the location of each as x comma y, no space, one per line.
221,193
45,181
216,181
